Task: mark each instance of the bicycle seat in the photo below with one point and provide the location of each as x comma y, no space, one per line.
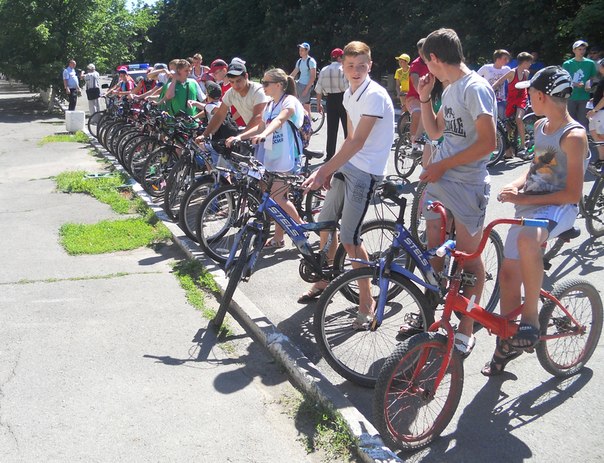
569,234
313,154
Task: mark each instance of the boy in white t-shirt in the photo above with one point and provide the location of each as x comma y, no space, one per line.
354,172
493,72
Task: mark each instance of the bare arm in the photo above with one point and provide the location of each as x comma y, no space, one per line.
278,122
256,116
217,120
434,124
499,82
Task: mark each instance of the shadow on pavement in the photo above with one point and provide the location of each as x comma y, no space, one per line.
484,430
585,258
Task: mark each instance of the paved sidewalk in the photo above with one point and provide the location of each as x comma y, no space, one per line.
101,358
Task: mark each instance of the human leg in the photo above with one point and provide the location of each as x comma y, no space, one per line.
333,119
73,98
279,194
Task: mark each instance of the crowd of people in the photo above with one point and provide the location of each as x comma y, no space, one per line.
448,102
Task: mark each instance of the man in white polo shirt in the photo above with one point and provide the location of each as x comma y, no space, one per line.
357,168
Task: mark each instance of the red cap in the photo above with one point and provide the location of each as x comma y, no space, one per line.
337,52
122,69
206,76
218,64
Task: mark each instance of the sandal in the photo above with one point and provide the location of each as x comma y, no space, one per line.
413,325
272,243
526,337
464,344
498,362
313,293
361,323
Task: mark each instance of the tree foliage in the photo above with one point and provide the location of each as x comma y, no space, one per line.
38,37
266,32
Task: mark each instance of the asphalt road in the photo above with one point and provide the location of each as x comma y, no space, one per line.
525,414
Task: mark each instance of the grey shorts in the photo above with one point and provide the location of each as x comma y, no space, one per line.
300,88
561,219
348,199
467,203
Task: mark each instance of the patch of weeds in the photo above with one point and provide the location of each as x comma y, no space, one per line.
196,281
108,276
78,137
111,236
325,430
106,189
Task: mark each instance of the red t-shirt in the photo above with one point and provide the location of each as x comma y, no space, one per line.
421,69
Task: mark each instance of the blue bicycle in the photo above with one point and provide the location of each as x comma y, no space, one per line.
407,291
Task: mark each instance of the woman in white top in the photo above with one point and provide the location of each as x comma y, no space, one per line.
278,139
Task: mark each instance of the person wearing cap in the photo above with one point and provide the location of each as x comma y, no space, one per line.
306,71
125,83
218,69
493,72
457,173
332,83
71,84
93,88
549,190
582,70
596,114
246,96
401,76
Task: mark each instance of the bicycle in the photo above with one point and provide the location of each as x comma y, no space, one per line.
420,385
251,238
507,138
317,118
397,290
591,206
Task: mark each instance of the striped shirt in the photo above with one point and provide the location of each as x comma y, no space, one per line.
331,80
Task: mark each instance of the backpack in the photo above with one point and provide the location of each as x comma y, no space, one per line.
302,134
227,129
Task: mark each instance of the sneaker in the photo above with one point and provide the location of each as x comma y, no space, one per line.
464,344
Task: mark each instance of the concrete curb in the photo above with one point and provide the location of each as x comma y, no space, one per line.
303,372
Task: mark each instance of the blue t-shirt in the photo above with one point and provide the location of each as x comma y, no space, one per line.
304,66
69,75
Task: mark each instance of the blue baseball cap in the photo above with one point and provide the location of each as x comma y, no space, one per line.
304,45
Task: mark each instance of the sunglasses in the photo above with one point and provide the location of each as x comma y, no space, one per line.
266,83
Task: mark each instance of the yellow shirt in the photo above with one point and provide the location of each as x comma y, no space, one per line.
403,78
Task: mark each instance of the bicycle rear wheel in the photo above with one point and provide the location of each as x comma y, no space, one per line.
566,355
316,118
177,184
359,355
191,203
93,121
407,411
594,210
405,159
156,169
498,153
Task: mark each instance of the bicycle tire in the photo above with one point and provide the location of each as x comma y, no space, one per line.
177,184
93,122
156,169
135,158
222,213
417,222
234,278
108,134
499,152
566,356
359,355
405,161
191,202
594,210
313,205
404,124
102,125
402,398
126,137
317,119
117,135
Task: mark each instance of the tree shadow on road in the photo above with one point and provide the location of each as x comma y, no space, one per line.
484,430
585,258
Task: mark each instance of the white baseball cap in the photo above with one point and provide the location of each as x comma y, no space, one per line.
580,43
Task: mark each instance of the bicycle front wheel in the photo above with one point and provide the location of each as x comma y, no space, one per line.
405,159
407,411
571,345
93,122
594,211
497,154
359,355
316,118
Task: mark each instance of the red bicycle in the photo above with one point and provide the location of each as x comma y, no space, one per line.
420,384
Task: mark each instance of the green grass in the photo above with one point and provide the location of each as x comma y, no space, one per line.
111,236
325,430
196,281
78,137
106,189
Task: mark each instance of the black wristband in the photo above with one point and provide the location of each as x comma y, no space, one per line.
424,102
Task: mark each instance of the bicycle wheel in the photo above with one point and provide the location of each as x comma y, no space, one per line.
93,121
178,182
407,411
492,257
497,154
156,169
594,210
359,355
313,204
404,124
126,137
135,157
565,356
248,242
417,222
191,203
222,213
405,159
316,118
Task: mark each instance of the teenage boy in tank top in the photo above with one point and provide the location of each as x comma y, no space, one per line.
550,190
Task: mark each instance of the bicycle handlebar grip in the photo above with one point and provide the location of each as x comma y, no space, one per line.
535,223
446,247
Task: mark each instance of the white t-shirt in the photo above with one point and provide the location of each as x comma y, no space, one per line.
280,150
371,99
492,75
211,108
245,104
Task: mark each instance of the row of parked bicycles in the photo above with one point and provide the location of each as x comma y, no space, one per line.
221,198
